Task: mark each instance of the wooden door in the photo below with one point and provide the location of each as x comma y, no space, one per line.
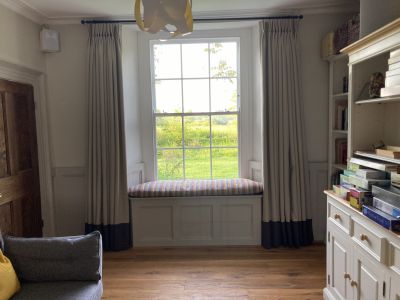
339,253
20,211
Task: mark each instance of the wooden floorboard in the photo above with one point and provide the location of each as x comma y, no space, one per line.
215,273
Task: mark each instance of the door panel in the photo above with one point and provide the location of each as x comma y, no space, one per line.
340,264
368,277
19,173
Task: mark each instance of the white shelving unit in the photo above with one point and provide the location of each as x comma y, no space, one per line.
338,68
363,258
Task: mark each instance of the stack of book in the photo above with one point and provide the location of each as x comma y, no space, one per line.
341,122
385,208
392,82
356,184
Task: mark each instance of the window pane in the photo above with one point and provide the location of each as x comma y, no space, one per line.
197,131
169,132
196,97
224,131
224,95
170,164
168,96
225,163
197,164
167,61
223,59
195,60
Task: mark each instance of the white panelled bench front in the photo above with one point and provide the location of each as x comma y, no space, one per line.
196,212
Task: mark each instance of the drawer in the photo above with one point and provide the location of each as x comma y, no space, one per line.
339,217
372,242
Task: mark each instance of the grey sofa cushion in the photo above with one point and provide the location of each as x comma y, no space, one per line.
66,290
56,259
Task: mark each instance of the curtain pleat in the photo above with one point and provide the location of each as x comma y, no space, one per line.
285,206
108,206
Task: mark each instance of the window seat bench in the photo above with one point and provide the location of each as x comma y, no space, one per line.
196,212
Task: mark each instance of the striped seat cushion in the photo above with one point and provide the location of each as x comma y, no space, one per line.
187,188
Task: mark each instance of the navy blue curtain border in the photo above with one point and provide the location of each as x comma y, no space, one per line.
116,237
287,234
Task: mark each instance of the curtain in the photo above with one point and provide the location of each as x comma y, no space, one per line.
108,206
285,205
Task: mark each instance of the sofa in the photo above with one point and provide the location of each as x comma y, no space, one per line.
67,268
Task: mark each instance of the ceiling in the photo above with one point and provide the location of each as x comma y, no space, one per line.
53,10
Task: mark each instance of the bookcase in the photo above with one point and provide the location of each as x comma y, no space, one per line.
338,116
363,257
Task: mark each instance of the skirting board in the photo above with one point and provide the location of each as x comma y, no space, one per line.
192,221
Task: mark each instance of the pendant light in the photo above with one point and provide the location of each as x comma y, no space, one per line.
173,16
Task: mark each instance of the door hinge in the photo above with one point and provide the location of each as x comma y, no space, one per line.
329,279
384,289
329,236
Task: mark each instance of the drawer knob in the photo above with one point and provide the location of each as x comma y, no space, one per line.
363,237
336,216
346,276
353,283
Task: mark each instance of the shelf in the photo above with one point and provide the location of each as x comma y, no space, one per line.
379,100
377,157
339,131
340,167
342,96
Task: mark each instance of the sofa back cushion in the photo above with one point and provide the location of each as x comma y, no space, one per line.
56,259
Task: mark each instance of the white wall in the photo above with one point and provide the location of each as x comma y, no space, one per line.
20,40
131,96
374,15
68,111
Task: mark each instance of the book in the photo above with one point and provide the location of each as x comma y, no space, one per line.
349,172
353,167
371,174
367,183
374,164
390,91
395,179
386,207
354,202
344,179
388,194
341,151
381,218
392,81
341,122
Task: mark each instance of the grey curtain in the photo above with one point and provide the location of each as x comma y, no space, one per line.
285,205
107,207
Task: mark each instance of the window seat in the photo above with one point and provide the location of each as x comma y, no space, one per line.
194,188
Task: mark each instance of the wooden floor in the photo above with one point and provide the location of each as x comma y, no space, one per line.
215,273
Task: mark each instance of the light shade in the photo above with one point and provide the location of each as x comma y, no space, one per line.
159,15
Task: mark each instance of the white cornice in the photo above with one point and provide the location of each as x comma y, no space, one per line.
33,14
21,8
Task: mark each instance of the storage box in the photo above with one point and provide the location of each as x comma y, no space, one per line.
371,174
386,207
381,218
388,194
389,151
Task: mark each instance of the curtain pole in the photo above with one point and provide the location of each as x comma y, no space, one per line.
200,20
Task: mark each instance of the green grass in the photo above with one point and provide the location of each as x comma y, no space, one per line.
197,134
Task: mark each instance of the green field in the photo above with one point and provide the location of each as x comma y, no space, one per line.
197,142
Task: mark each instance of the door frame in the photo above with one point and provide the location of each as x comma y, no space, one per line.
14,72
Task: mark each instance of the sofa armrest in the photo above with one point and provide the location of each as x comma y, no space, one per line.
76,258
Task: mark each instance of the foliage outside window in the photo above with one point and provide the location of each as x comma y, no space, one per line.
196,109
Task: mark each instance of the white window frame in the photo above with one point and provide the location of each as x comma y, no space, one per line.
245,102
183,114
